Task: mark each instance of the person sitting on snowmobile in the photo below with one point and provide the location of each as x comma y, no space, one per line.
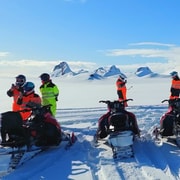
28,95
114,108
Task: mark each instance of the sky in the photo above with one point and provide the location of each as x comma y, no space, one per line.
95,31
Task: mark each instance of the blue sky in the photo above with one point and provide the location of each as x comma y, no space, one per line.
100,31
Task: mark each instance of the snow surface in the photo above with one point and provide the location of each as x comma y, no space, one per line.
78,112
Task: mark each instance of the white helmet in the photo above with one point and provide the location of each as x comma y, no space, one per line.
174,74
122,77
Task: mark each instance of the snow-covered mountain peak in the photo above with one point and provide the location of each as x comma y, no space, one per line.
61,69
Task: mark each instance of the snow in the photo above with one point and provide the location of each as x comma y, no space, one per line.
78,112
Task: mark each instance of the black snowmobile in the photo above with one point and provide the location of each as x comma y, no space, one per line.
119,126
40,129
170,121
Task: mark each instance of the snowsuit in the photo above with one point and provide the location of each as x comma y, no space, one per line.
22,101
175,88
14,92
49,92
121,90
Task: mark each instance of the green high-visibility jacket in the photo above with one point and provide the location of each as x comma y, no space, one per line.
49,92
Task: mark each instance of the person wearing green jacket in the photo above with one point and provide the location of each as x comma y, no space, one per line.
49,92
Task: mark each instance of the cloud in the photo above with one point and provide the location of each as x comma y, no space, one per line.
3,54
169,52
135,52
77,65
151,43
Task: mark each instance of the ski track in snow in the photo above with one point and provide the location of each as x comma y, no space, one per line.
85,161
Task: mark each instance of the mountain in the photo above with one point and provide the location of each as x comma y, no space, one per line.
113,70
144,71
63,69
101,72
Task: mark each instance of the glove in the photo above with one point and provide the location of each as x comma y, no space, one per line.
12,87
56,98
21,89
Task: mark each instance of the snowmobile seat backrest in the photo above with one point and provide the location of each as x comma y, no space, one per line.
11,124
117,106
11,120
119,121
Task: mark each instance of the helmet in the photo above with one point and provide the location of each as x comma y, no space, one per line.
174,74
122,77
28,87
45,77
20,80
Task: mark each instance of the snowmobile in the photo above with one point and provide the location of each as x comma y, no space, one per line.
39,133
169,123
40,129
120,128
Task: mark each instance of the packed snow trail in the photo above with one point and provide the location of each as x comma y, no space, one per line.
85,161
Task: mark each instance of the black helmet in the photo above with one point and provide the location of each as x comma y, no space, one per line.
28,87
20,80
174,74
45,77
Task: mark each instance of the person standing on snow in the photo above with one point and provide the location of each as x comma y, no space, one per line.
121,88
49,92
175,85
15,91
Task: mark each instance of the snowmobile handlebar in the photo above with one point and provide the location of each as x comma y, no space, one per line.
108,102
171,101
174,103
165,100
31,107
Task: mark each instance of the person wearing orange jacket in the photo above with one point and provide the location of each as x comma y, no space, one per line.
15,90
28,96
121,88
175,86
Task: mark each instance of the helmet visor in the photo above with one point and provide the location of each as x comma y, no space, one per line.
19,81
